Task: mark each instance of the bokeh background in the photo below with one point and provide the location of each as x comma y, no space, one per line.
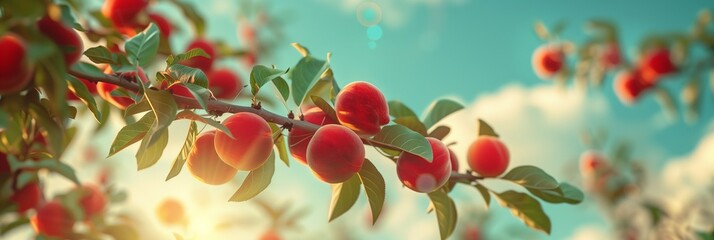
478,52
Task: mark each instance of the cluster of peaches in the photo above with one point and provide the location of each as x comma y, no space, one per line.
51,218
335,152
16,71
550,61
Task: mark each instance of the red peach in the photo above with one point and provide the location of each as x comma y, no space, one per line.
53,220
362,107
180,90
65,37
162,23
657,63
202,63
454,160
422,176
15,70
123,13
27,197
270,235
488,156
298,139
224,84
335,153
93,200
629,86
252,145
205,164
170,212
548,60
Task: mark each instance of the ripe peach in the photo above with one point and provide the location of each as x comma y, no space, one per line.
252,145
65,37
422,176
202,63
162,23
15,71
335,153
488,156
123,13
27,197
93,200
105,89
629,86
298,139
180,90
91,87
610,56
454,161
205,164
224,83
53,220
655,64
170,212
362,107
548,60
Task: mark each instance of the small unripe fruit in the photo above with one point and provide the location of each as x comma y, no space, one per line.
419,175
298,139
454,160
65,37
202,63
93,200
53,220
252,145
629,86
548,60
123,13
15,71
657,63
224,84
488,156
170,212
205,164
362,107
335,153
162,23
27,197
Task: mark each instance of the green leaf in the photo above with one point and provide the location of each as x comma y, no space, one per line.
304,74
256,181
485,194
325,87
531,177
412,123
440,132
188,10
195,52
344,196
141,49
405,139
280,144
185,150
526,208
164,107
439,110
19,222
374,187
301,49
80,90
397,109
201,94
87,69
282,87
325,107
565,193
151,149
186,74
485,130
52,165
260,75
188,114
446,214
137,107
54,131
131,133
